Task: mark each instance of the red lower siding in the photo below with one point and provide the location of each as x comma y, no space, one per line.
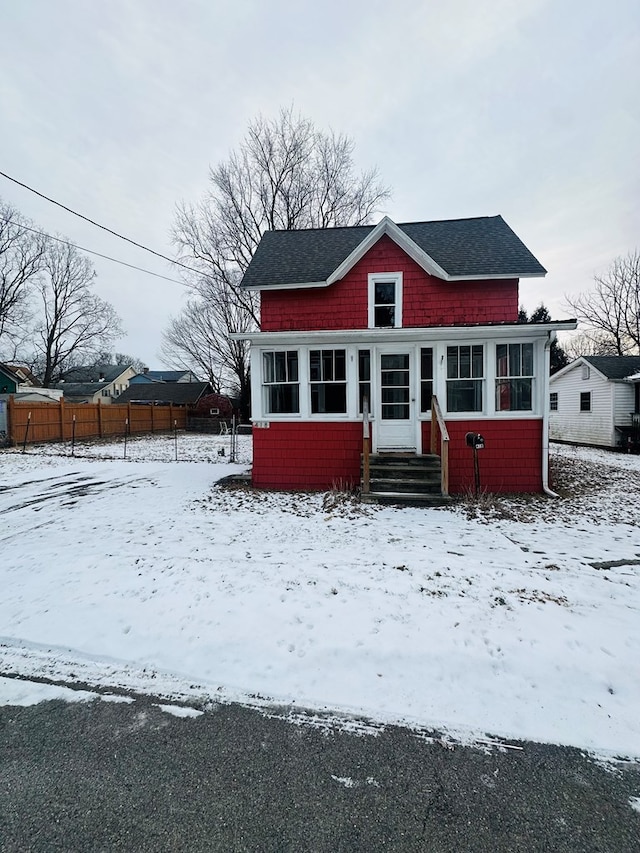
307,455
510,462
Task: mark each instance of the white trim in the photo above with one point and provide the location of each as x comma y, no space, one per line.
383,278
521,331
388,227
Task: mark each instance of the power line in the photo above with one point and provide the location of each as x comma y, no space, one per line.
97,224
91,252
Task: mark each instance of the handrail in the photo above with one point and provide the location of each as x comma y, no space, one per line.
438,425
366,445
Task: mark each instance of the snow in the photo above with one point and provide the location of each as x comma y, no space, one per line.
14,691
515,618
180,711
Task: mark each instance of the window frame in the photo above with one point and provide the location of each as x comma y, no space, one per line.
267,385
394,278
479,380
323,382
553,401
509,381
585,401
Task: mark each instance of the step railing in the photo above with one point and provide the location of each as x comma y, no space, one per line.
366,446
439,427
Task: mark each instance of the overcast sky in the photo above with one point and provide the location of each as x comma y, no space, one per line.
527,108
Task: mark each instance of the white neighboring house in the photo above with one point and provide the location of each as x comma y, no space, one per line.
595,400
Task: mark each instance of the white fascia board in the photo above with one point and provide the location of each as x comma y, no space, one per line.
388,227
515,331
502,276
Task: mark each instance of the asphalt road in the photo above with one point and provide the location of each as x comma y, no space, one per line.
101,776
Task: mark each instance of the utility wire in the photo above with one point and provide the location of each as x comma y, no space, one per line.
97,224
91,252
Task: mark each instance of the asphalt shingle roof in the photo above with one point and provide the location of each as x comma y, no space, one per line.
179,393
615,366
92,373
482,246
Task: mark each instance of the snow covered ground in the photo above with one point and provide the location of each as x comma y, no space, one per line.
513,617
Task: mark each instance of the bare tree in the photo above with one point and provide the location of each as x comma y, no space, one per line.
589,343
21,258
286,174
76,324
611,312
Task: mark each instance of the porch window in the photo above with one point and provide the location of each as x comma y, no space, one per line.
426,378
364,378
280,382
585,401
514,377
465,374
385,300
328,375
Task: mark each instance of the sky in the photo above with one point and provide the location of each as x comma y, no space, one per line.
526,109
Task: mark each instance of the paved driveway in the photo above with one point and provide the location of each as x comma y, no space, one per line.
101,776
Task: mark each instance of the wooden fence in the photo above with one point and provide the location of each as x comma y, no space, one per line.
34,422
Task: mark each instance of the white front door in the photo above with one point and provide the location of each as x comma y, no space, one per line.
396,427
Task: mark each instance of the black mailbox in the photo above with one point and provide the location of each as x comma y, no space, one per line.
475,440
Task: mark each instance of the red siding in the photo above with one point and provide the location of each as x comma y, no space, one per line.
510,462
427,301
307,455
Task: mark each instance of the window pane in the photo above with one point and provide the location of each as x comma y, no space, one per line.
395,412
514,395
364,390
395,377
384,317
282,399
385,293
514,360
281,366
527,359
328,398
394,362
364,365
464,396
452,362
267,364
292,366
327,365
395,395
340,373
501,360
315,373
426,363
465,362
477,358
585,401
426,393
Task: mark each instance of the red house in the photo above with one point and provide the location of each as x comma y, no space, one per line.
416,323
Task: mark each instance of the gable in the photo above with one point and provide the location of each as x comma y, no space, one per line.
464,249
427,300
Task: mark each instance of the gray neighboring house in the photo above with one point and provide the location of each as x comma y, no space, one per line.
595,401
97,383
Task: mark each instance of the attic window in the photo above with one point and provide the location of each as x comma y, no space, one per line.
385,300
586,372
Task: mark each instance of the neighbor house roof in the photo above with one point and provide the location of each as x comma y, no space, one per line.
80,389
10,373
100,373
482,247
178,393
615,366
